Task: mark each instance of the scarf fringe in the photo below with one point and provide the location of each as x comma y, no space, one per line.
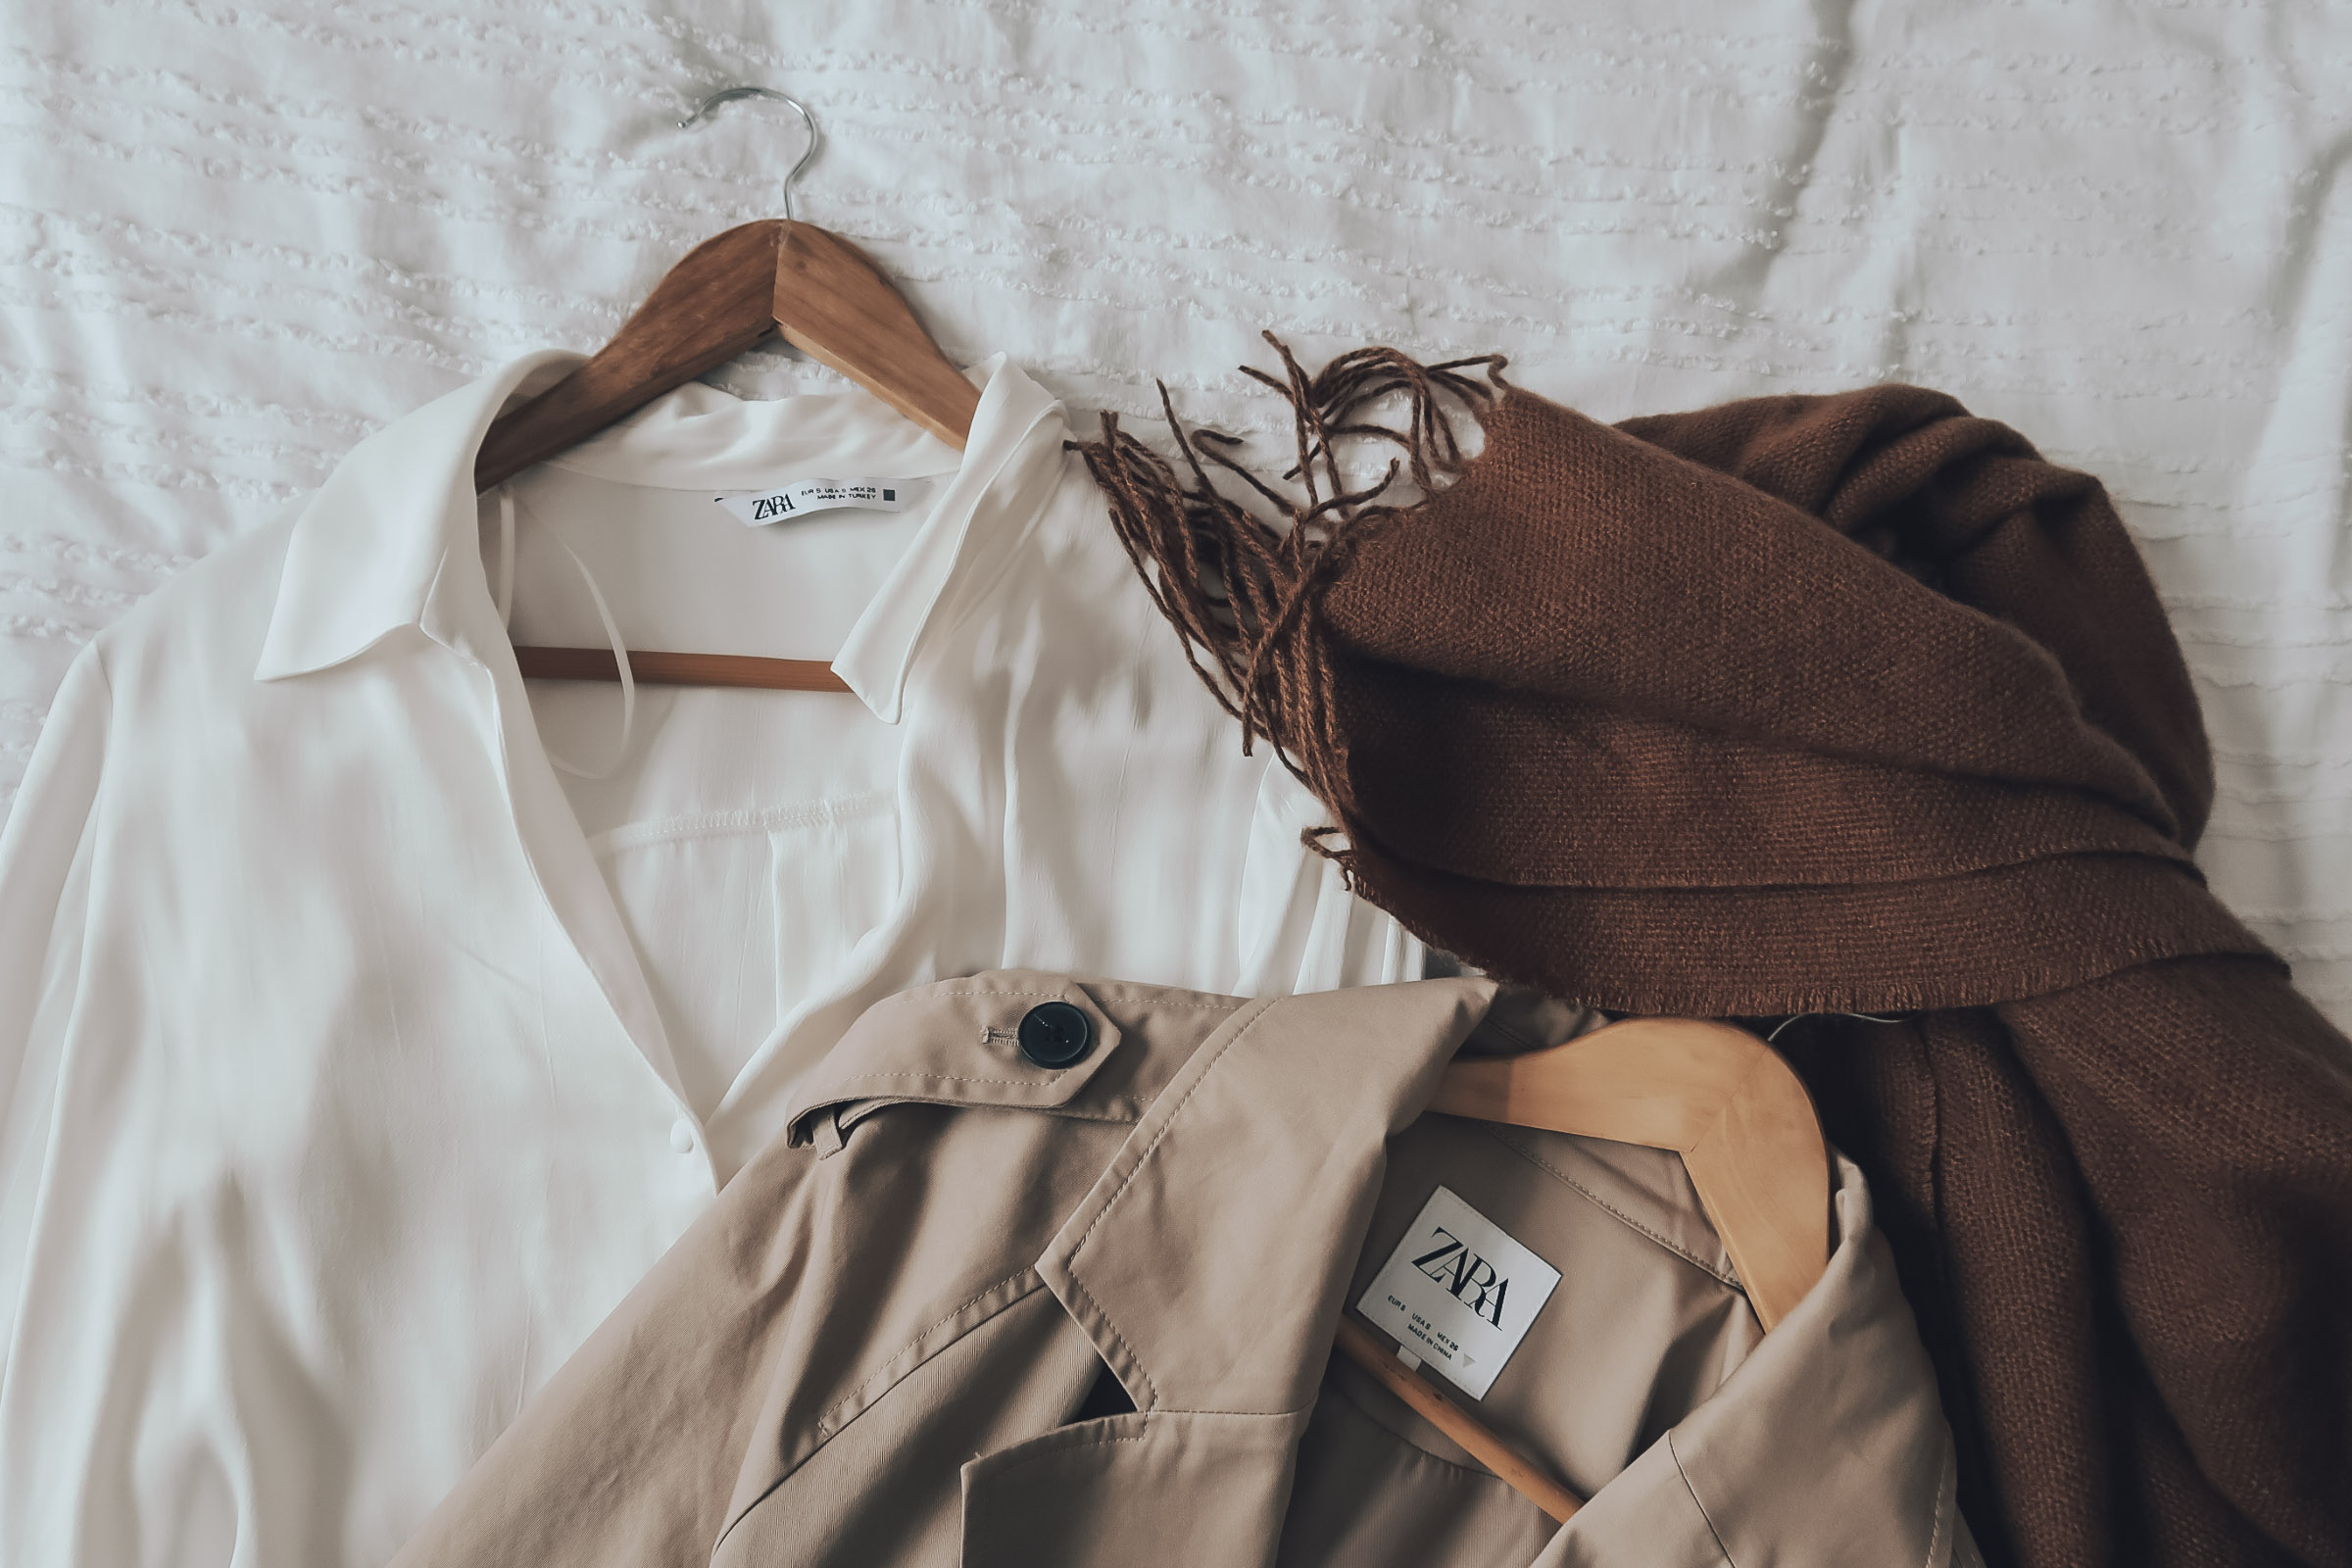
1247,592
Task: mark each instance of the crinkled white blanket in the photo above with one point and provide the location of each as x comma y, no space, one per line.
234,237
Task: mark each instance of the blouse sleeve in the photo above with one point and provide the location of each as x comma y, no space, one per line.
45,857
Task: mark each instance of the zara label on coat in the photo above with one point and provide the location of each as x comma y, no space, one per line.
756,509
1459,1292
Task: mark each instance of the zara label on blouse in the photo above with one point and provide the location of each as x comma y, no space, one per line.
1459,1292
756,509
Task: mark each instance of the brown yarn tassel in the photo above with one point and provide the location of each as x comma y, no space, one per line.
1248,591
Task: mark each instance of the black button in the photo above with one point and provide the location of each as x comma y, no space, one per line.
1054,1034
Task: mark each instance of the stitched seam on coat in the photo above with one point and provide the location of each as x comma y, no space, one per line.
1118,1107
1708,1519
824,1436
870,1106
1067,1446
825,1427
1115,1108
1124,994
1113,1329
1942,1514
948,1078
1618,1214
912,996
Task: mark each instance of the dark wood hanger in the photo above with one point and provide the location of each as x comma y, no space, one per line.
1715,1095
825,296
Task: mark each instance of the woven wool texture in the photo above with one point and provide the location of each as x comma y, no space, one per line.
1851,703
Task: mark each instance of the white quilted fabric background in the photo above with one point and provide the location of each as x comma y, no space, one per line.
236,237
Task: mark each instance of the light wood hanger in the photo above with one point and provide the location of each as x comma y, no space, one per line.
1716,1094
824,295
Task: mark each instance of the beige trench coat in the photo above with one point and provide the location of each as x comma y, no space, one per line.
976,1310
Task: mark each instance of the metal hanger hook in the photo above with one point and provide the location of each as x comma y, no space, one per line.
726,94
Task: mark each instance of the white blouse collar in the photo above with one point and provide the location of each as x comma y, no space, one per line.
369,550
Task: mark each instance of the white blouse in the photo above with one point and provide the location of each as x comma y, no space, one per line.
369,1022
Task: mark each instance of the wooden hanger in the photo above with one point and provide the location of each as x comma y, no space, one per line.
824,295
1717,1095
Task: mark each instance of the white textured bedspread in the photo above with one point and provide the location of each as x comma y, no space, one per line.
234,237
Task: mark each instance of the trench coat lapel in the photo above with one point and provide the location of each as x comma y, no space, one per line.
1208,1265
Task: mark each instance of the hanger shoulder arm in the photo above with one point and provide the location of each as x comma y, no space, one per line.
1762,1173
833,304
715,303
1717,1095
1653,1081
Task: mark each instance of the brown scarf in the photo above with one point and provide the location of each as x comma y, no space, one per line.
1828,706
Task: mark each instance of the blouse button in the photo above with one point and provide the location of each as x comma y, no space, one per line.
1054,1034
681,1135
